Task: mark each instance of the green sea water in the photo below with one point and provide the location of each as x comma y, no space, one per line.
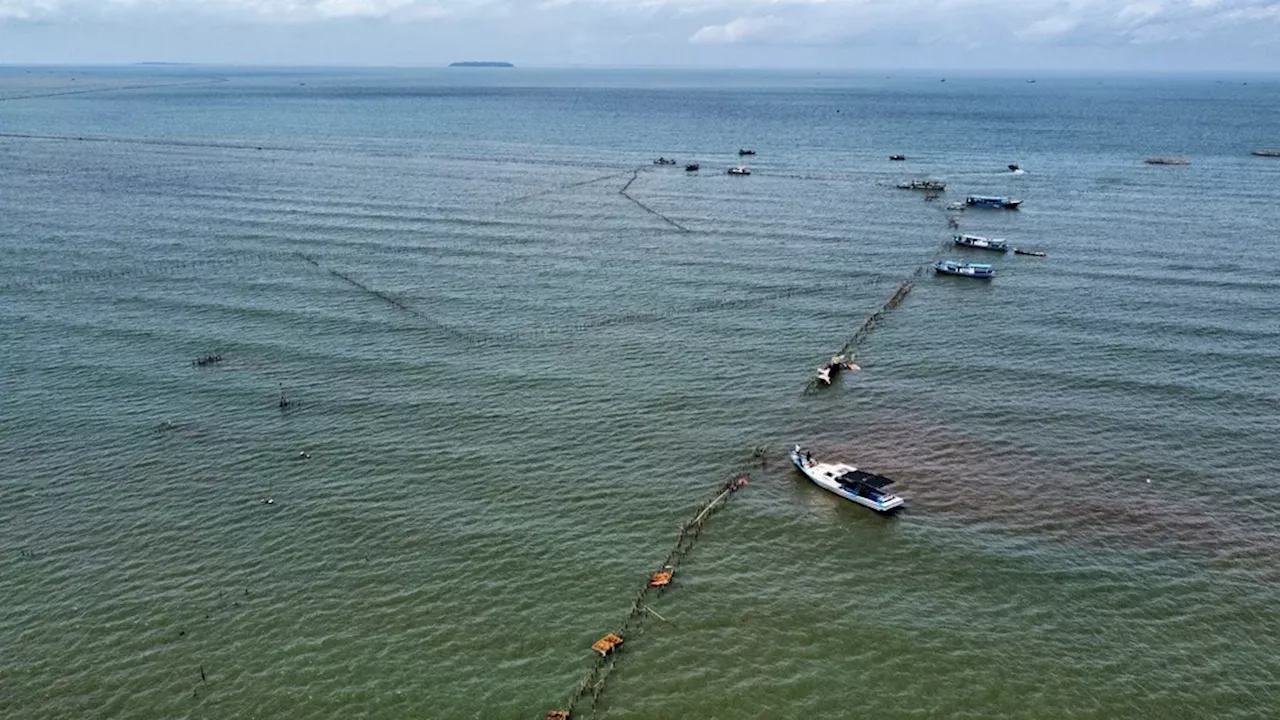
514,384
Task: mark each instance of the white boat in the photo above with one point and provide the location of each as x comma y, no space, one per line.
973,270
980,243
739,171
848,482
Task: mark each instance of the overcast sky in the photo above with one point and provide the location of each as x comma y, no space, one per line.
948,34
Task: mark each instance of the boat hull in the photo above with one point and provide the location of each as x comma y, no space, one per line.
834,488
993,203
981,244
961,272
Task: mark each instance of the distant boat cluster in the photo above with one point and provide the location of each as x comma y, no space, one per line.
740,170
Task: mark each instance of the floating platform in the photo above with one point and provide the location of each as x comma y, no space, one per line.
663,577
607,645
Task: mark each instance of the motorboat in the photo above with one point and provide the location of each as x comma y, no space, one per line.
833,367
926,185
1032,253
897,157
739,171
989,201
664,161
691,167
1013,167
746,152
1267,153
848,482
972,270
980,243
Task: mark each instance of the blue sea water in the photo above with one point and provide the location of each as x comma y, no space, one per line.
515,383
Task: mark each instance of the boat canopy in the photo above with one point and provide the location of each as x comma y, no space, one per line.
859,478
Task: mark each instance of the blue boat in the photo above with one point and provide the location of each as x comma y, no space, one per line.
989,201
973,270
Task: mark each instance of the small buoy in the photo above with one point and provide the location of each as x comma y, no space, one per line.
1148,480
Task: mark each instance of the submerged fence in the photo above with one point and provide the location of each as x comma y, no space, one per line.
623,192
850,347
586,698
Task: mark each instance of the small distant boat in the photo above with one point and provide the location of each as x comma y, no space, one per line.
989,201
980,243
1167,161
1032,253
746,152
1267,153
834,367
691,167
897,157
1013,167
956,206
739,171
926,185
972,270
664,161
848,482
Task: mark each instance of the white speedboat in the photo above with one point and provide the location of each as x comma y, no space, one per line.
739,171
848,482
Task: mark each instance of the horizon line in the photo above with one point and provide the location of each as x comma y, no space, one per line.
939,71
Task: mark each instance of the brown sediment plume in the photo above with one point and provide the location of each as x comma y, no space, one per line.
979,480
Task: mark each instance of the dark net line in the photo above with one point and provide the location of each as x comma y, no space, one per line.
587,695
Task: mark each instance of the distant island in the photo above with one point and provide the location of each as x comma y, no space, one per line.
481,63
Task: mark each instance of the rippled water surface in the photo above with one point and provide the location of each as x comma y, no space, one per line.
514,383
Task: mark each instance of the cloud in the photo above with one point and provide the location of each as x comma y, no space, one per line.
665,31
739,30
298,11
1048,28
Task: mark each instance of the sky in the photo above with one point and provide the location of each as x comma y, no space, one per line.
1014,35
